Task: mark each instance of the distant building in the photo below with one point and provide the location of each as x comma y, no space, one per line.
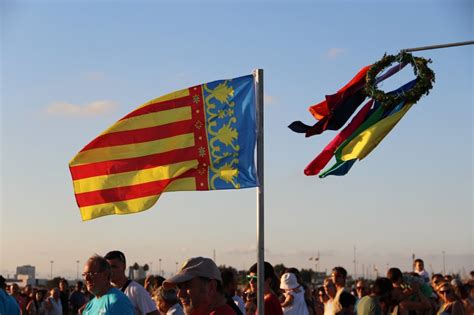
25,279
26,270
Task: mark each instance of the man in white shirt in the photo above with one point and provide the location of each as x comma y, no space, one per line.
338,275
137,294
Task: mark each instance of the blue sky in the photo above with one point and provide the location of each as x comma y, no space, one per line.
69,70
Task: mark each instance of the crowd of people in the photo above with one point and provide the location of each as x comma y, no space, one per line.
200,287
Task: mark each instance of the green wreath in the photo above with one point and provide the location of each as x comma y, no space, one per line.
424,84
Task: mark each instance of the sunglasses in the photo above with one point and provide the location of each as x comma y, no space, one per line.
359,288
90,274
251,278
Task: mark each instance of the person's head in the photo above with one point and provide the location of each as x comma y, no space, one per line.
361,288
27,290
445,292
150,283
464,291
40,294
78,286
448,278
294,271
229,281
436,279
54,293
97,275
32,294
271,281
382,287
347,302
395,276
14,289
159,281
63,285
288,281
339,275
165,298
118,263
199,284
329,287
456,283
419,265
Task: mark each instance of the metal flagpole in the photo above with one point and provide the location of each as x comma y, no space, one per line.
438,46
258,74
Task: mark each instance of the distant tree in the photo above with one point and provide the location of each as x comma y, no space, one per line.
279,269
225,271
224,267
135,266
145,267
242,277
306,275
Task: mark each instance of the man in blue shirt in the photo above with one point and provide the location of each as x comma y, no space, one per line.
108,300
8,305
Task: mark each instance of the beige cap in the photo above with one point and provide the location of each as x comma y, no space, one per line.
195,267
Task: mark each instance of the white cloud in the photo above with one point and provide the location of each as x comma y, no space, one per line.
334,52
96,108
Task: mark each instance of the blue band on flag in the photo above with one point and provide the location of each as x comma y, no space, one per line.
231,130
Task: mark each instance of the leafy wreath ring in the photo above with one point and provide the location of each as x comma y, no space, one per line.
424,83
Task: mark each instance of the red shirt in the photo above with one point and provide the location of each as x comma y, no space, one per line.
272,305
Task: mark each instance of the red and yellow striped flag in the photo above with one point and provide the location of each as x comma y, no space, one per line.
200,138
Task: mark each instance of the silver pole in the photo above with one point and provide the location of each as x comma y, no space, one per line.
258,74
355,264
51,275
444,263
438,46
